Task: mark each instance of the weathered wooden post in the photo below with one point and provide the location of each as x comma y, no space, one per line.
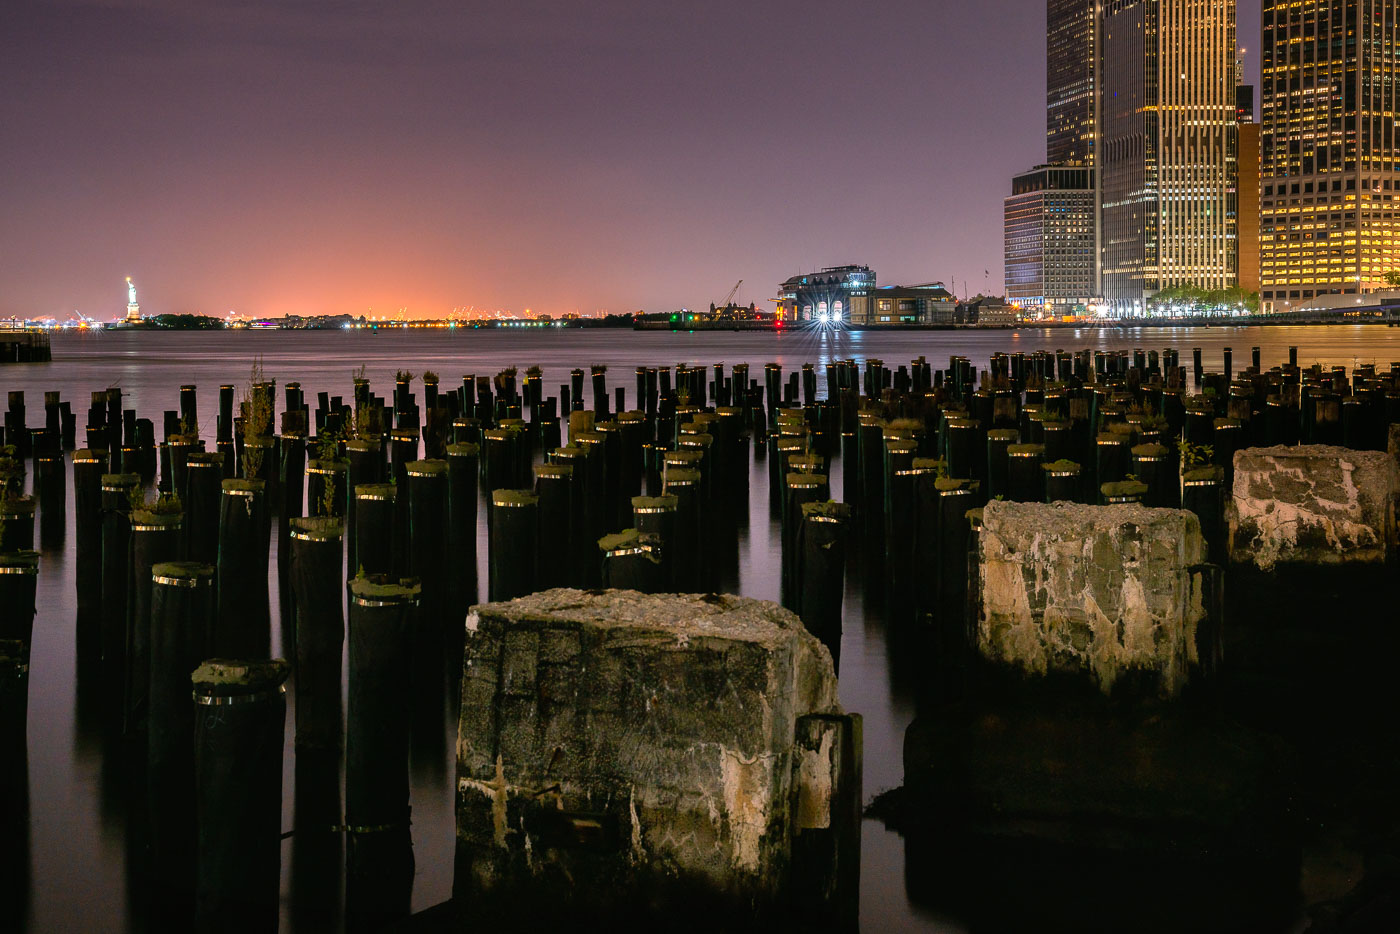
955,497
182,619
462,469
427,536
999,442
1062,482
240,718
118,492
1203,493
1026,479
19,580
375,521
554,487
821,571
1123,492
88,468
315,577
1157,466
686,571
655,519
582,572
243,628
16,523
379,858
155,539
631,563
1111,457
51,490
202,497
799,489
511,562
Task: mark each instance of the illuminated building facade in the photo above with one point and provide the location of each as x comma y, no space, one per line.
1165,162
829,292
1328,148
1248,188
1069,82
892,305
1049,240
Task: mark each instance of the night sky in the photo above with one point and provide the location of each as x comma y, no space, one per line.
310,156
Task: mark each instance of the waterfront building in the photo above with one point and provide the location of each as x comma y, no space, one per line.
986,311
825,295
1328,149
1049,240
1165,168
1069,82
929,303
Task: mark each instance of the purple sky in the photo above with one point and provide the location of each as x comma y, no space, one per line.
313,156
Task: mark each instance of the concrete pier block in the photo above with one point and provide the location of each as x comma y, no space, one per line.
1312,505
1108,593
619,751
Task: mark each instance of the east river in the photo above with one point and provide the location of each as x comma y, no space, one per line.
77,851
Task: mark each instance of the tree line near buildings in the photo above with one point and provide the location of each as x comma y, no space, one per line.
1203,301
181,323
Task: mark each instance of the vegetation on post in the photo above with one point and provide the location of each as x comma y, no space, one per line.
257,420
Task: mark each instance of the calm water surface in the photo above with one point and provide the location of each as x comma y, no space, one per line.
78,858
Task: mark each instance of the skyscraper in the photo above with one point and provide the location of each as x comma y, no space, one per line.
1049,237
1328,147
1165,160
1069,82
1049,243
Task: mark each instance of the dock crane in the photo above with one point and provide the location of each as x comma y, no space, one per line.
728,298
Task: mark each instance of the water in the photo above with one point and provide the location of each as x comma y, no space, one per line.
78,857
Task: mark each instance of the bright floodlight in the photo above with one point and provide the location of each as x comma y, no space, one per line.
823,317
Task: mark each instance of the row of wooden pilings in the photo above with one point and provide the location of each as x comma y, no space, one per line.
382,501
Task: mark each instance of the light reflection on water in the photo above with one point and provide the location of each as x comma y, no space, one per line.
78,854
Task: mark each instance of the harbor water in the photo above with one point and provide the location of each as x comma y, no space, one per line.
79,863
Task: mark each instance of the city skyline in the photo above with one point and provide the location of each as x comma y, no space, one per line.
273,159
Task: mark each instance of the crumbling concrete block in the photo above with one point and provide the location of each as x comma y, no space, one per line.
1312,505
1111,593
618,748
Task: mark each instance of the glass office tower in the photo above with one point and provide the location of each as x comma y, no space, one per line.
1167,148
1328,169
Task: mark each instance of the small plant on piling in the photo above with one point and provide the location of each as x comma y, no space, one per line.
164,504
430,377
328,452
257,420
11,471
1196,455
403,376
